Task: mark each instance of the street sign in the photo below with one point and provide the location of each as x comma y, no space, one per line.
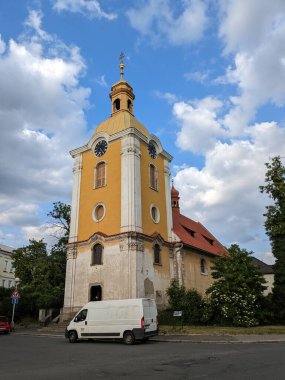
15,294
15,301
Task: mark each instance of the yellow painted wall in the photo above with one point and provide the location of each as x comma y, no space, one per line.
192,272
110,194
150,196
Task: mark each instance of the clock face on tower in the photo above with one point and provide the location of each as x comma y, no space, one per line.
100,148
151,150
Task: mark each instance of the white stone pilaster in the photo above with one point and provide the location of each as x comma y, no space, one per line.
75,198
131,218
70,279
168,199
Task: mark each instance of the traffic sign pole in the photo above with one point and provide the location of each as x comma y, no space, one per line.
15,300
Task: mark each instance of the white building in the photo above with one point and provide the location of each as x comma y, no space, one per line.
7,276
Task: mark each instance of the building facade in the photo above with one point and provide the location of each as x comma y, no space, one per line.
7,277
127,236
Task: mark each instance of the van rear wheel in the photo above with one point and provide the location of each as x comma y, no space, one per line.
72,336
129,337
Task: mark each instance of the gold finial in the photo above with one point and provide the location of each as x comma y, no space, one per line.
122,66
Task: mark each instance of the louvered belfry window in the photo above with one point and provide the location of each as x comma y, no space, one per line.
100,174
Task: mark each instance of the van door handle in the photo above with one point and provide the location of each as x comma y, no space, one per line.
85,322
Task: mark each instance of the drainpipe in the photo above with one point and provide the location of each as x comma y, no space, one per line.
178,255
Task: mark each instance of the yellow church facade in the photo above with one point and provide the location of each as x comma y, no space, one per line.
122,241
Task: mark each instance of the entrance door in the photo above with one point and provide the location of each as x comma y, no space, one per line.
96,293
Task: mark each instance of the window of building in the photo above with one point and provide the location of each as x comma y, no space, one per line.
156,254
99,212
6,266
203,266
9,283
97,252
210,241
190,232
116,105
153,177
3,283
100,175
12,268
154,213
130,106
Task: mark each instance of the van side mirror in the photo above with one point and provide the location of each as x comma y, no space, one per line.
76,319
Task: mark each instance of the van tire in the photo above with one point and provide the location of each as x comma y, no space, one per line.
129,338
72,336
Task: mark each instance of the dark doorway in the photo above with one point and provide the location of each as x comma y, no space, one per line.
96,293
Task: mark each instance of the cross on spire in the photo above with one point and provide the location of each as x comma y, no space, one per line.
122,66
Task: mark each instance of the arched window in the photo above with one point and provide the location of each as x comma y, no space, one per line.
100,175
97,252
130,106
203,266
153,177
156,254
116,105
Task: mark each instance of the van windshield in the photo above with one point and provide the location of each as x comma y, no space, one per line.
81,316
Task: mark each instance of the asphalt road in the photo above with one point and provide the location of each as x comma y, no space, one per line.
48,358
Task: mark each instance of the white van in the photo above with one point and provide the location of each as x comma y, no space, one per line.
128,319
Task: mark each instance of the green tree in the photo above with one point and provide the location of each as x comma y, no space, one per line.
236,294
275,229
42,273
189,301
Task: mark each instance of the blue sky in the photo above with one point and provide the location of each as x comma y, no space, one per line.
209,82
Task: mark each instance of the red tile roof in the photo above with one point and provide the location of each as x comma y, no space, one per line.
194,234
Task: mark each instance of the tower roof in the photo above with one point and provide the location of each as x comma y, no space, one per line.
119,122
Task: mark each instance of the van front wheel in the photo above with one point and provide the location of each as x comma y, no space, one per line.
72,336
129,338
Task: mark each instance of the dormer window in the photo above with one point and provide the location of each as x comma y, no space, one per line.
210,241
117,105
190,232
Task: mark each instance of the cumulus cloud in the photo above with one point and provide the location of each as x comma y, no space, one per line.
254,32
158,20
224,194
200,127
89,8
42,118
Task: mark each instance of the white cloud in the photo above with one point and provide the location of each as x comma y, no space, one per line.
199,125
89,8
168,96
42,118
224,194
254,31
157,20
197,76
101,81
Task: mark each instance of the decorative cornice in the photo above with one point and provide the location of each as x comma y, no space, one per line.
131,235
117,136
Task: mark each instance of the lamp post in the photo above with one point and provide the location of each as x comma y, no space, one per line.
17,282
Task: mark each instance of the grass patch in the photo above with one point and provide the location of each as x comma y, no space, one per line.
220,330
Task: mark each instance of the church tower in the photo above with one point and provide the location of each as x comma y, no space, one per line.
121,238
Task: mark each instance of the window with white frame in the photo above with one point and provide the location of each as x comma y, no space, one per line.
6,266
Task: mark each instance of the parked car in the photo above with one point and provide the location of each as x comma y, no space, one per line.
129,319
4,325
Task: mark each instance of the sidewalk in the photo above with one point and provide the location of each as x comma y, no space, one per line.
194,338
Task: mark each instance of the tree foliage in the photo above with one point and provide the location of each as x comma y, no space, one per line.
275,229
236,294
42,273
189,301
